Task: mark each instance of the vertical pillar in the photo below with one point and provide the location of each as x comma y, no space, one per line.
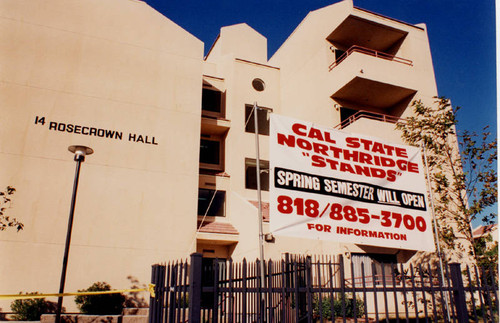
156,303
152,301
342,286
309,285
459,293
195,288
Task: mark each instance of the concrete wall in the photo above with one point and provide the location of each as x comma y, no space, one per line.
112,65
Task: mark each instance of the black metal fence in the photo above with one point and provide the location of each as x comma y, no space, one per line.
299,289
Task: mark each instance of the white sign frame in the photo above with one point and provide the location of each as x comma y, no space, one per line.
333,185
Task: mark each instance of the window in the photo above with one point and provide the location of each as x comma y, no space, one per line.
212,103
263,120
211,202
251,171
211,149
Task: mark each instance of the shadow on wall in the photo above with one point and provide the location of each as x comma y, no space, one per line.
136,299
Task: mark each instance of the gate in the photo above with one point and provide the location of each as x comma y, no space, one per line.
298,289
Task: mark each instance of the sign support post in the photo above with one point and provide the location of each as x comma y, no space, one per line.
259,202
436,234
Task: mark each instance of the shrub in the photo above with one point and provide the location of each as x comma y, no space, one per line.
487,312
32,308
182,301
106,304
326,308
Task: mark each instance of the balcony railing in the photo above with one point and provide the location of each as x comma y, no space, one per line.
371,52
368,115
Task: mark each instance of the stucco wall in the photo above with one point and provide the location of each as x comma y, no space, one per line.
112,65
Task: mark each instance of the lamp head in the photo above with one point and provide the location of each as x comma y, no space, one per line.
80,152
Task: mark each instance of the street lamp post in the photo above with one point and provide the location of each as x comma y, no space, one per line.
80,153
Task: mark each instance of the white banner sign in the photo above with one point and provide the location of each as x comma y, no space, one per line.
333,185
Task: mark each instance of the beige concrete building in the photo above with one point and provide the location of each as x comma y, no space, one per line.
173,131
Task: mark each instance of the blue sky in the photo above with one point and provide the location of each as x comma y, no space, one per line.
461,35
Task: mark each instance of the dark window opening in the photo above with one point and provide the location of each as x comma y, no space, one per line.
263,120
338,53
207,279
346,113
211,153
251,172
211,202
211,103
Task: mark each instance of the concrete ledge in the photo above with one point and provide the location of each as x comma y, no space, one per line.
135,311
81,318
135,319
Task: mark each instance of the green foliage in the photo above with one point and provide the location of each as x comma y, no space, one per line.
486,315
462,170
182,301
31,309
6,221
106,304
326,307
486,251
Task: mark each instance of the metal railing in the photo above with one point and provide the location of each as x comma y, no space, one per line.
371,52
368,115
295,290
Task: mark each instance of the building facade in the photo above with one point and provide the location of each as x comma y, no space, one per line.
174,165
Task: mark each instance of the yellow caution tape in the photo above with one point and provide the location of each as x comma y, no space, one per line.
150,289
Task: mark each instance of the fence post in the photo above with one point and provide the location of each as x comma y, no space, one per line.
459,293
215,304
156,303
153,302
342,286
195,288
170,295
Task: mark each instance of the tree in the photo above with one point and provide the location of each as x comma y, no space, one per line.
486,251
6,221
462,170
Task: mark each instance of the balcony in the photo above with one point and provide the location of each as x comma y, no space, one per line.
370,52
213,227
367,78
355,30
216,233
213,107
372,124
366,72
362,114
214,126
